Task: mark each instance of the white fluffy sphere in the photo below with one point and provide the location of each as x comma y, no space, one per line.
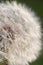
20,34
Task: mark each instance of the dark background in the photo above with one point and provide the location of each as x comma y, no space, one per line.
37,7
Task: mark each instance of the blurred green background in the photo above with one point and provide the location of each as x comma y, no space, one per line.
37,7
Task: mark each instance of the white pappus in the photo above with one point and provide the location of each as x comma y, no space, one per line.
20,34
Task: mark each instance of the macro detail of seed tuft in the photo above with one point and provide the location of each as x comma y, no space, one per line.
6,38
9,31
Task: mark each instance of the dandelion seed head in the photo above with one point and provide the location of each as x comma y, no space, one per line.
20,34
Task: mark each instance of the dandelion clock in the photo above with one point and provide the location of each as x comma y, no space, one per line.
20,34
